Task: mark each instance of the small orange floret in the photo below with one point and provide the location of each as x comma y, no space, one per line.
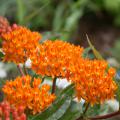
19,43
92,81
111,71
29,94
54,58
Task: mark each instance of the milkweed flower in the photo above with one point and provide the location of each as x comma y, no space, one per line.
53,58
19,43
28,93
93,82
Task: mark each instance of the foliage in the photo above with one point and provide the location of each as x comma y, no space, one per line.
58,108
116,50
61,17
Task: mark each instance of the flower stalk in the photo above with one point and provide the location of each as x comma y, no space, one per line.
25,69
54,85
105,116
20,70
86,108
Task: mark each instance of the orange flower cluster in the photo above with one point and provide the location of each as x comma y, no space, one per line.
28,93
19,43
60,59
93,82
53,58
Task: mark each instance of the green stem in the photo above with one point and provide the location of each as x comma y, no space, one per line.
25,69
86,108
43,78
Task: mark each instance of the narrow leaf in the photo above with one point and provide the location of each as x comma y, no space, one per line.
86,51
20,11
55,106
73,112
1,55
61,110
96,53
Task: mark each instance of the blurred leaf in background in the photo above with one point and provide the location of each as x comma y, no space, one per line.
57,16
25,12
116,50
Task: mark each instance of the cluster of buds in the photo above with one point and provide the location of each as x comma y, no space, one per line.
4,25
6,111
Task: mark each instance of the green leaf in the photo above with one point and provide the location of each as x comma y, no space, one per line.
96,53
71,23
73,112
112,6
1,40
36,12
72,20
99,109
20,11
86,51
59,113
1,55
58,18
93,110
118,90
69,89
116,49
56,105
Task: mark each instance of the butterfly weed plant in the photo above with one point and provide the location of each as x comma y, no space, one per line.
91,80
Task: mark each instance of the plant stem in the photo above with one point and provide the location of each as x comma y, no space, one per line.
43,78
25,70
54,85
20,70
105,116
86,108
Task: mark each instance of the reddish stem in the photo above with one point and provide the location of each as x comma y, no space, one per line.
20,70
106,116
54,85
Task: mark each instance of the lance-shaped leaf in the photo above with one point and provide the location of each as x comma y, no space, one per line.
1,53
53,109
86,51
73,112
59,113
96,53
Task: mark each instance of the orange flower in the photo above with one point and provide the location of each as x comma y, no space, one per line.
19,43
92,81
22,91
53,58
